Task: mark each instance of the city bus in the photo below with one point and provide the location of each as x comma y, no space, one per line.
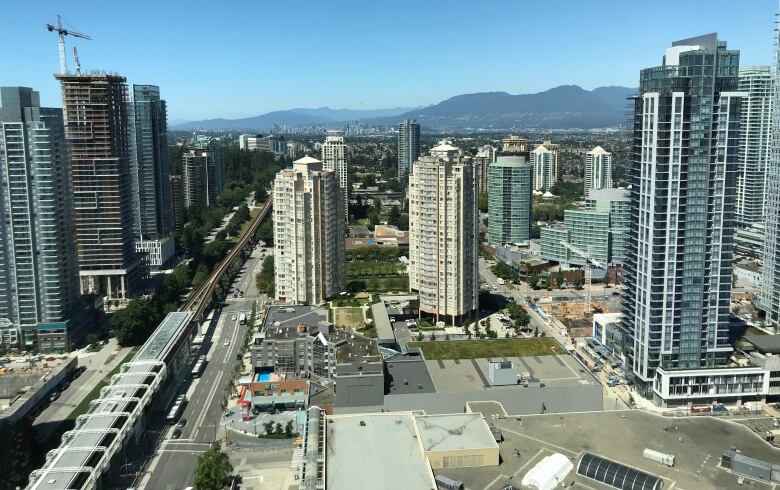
176,409
242,318
197,369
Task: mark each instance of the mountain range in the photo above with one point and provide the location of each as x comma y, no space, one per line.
562,107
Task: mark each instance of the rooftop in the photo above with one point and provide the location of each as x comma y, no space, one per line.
621,436
454,432
768,344
358,449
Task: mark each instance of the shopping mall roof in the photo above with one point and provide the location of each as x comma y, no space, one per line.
454,432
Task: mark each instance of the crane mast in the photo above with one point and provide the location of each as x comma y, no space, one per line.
61,33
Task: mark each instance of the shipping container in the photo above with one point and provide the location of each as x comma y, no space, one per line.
444,483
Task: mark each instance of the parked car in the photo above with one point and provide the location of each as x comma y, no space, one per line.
182,422
392,319
54,396
176,434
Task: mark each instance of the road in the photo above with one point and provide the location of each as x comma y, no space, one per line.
174,463
98,365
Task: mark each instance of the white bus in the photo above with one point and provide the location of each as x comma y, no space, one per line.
176,409
242,318
197,369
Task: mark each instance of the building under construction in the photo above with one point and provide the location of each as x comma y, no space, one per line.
95,114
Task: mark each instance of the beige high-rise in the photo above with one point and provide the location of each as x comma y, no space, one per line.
308,234
334,157
443,238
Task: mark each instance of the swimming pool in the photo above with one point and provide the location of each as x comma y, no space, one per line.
263,377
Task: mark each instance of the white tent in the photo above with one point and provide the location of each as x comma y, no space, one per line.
548,473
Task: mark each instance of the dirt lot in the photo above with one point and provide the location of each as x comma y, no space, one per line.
348,317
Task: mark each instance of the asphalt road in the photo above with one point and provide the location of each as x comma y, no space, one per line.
176,459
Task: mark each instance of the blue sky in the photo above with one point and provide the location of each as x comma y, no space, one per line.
236,58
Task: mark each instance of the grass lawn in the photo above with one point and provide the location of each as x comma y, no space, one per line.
382,284
478,349
348,317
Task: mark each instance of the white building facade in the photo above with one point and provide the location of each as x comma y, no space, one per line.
598,170
334,158
443,239
308,234
545,165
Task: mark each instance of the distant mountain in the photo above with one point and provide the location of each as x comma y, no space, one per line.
563,107
292,117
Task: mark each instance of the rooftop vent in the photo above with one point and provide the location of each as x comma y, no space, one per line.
362,423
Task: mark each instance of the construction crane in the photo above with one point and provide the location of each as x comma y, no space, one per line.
588,272
76,59
62,33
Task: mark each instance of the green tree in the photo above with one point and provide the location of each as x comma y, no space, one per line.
201,274
394,217
559,279
134,324
268,427
483,202
213,469
265,232
534,281
288,429
279,429
504,271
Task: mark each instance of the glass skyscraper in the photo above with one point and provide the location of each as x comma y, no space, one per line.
38,275
769,299
678,271
408,146
510,195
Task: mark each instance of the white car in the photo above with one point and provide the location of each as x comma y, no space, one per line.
233,317
226,343
392,319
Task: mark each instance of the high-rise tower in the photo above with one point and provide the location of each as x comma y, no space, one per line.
151,189
308,234
96,129
598,170
334,158
678,270
408,146
38,274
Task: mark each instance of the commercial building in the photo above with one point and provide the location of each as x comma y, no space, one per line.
678,272
271,143
96,127
334,158
298,344
408,146
151,190
757,82
443,238
600,229
38,274
510,198
769,297
177,202
339,453
598,170
308,234
545,166
195,178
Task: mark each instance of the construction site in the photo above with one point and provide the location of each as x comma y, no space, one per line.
576,316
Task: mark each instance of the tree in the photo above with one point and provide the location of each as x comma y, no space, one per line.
504,271
394,217
201,274
356,286
483,202
279,429
134,324
266,232
268,427
288,429
213,469
270,291
606,279
534,281
559,279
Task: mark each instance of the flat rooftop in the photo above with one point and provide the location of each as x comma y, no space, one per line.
696,442
463,375
454,432
408,374
294,315
378,448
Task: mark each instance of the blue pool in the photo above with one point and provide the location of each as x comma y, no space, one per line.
263,377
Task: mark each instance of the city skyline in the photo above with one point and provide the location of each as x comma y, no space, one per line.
272,86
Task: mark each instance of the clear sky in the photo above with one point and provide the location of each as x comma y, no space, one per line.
238,58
